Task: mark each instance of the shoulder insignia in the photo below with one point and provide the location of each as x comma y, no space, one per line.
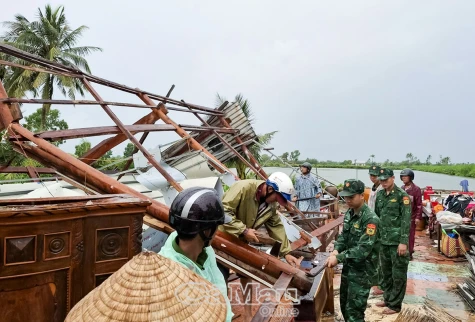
406,200
393,200
356,225
370,229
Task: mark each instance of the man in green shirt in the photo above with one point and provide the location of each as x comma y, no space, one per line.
195,215
373,176
393,208
357,248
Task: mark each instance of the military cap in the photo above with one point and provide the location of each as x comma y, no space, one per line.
385,174
374,170
352,187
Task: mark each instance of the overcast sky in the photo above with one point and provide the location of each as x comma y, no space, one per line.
338,79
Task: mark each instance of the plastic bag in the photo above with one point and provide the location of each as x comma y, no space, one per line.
447,217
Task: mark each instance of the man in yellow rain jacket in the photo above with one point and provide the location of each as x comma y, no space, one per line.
253,203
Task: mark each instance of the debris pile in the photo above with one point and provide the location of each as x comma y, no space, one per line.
430,312
467,288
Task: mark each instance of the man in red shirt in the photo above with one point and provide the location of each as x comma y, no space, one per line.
415,194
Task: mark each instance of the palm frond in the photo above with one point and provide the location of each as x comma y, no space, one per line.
219,100
245,107
51,37
70,39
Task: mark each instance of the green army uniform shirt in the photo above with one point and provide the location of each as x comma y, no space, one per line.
394,211
240,202
358,244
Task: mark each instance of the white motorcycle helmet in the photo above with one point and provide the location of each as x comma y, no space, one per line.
281,183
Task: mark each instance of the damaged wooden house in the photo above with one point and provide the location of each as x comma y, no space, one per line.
61,239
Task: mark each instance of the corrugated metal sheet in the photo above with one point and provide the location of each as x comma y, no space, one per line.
238,121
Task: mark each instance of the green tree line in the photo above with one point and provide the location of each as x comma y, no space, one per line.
443,165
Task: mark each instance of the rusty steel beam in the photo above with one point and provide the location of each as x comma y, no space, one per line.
142,139
87,103
132,138
108,144
54,67
69,165
32,173
100,130
107,130
6,117
129,162
36,69
25,170
192,142
260,172
223,140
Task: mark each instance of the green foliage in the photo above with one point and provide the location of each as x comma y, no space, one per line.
32,123
52,122
52,38
323,184
129,149
444,160
462,170
285,156
82,148
429,157
294,155
106,162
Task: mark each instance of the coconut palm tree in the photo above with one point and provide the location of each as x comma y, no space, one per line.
52,38
255,149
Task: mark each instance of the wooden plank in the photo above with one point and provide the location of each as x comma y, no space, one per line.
270,305
58,200
157,224
318,232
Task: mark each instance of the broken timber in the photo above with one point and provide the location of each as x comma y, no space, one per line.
253,263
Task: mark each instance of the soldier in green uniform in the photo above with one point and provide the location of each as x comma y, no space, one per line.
393,208
357,248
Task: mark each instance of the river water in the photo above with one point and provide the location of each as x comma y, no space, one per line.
422,179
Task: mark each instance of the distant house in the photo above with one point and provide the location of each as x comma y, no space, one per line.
359,163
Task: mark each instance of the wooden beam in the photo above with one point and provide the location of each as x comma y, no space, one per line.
54,67
108,130
142,140
182,133
92,103
25,170
265,311
100,130
32,173
318,232
132,138
108,144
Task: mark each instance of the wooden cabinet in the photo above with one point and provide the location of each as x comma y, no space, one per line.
54,251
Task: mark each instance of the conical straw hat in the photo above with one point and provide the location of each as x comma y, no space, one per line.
151,287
